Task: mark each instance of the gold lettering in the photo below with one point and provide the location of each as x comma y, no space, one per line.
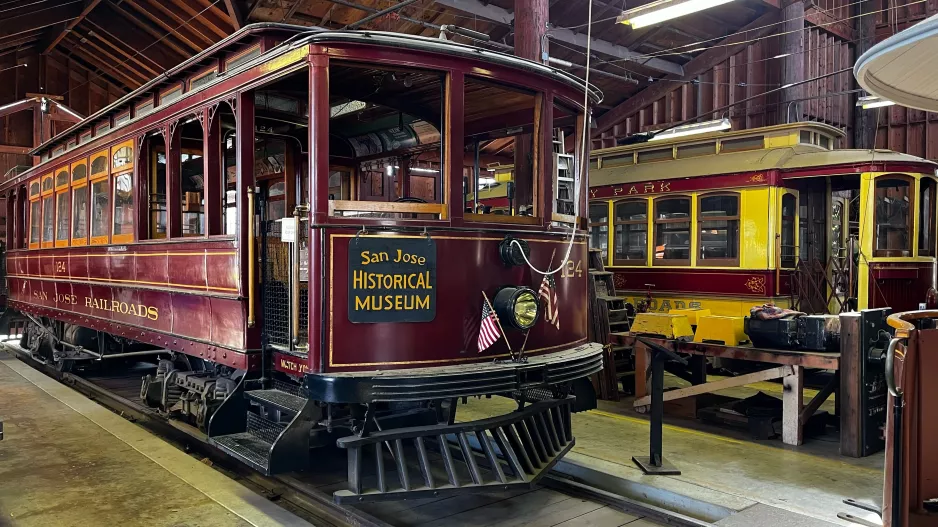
153,313
665,187
633,190
617,191
357,280
398,281
593,192
649,187
362,304
399,254
398,302
88,302
423,303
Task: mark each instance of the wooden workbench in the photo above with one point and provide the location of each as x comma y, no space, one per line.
790,368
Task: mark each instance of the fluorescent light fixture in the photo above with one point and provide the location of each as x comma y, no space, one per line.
657,12
486,181
873,101
693,129
345,108
424,170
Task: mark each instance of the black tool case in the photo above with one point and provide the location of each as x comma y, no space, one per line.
819,332
776,333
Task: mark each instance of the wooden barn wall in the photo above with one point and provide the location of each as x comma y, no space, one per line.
750,73
898,128
54,74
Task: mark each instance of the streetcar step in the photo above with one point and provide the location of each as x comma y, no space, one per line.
267,430
504,452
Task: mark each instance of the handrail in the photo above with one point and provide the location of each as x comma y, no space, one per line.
902,322
251,262
384,206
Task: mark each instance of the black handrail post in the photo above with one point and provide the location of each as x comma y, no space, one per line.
654,463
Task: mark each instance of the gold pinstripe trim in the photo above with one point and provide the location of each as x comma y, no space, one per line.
93,255
116,280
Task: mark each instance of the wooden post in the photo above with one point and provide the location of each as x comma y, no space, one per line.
792,399
851,382
792,67
530,28
864,130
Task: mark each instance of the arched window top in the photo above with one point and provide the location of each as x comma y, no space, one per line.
99,164
47,184
122,156
79,171
61,178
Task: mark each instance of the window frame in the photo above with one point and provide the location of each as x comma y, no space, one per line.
107,162
719,262
590,223
78,186
103,239
62,190
35,196
794,225
913,240
670,262
174,87
211,70
615,222
241,53
930,242
46,193
122,238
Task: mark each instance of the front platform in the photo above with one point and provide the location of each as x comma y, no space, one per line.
65,460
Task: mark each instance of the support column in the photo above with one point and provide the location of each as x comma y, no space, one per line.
530,43
864,129
792,67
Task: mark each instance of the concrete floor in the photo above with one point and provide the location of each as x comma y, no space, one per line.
722,470
67,461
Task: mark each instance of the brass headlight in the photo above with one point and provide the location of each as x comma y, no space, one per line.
517,306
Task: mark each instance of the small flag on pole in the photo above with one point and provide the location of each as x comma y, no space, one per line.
488,330
548,292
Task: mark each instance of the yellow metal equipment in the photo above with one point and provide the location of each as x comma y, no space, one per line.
666,325
725,330
692,314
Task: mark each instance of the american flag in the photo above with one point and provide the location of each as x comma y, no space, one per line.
488,329
548,292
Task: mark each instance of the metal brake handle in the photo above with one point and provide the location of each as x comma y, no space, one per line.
890,368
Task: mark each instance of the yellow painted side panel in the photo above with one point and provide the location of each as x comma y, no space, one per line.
754,229
727,330
722,306
663,324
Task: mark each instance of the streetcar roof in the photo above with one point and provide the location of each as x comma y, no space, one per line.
301,36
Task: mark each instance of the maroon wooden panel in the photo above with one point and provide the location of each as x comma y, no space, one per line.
901,286
467,265
731,282
741,179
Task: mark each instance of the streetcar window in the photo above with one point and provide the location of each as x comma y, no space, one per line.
34,225
122,118
397,156
100,206
567,122
893,216
48,215
99,163
61,178
789,207
501,120
599,227
123,208
79,172
718,230
229,172
926,228
80,214
631,235
192,179
61,218
672,231
157,191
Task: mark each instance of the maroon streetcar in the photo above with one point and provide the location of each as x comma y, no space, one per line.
283,226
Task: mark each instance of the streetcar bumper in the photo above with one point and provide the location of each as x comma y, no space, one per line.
461,380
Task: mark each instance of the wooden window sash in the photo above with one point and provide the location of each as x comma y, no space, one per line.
120,238
107,164
77,187
665,262
55,219
47,191
629,261
68,177
46,244
29,224
887,253
104,238
125,167
718,262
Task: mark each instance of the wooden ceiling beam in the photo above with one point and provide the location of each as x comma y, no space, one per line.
178,34
160,56
179,23
234,14
78,42
498,14
208,19
43,17
701,63
148,68
101,68
142,24
89,6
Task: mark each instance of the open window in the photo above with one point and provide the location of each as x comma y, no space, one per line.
229,173
122,175
892,217
79,203
631,234
926,216
35,214
501,129
386,127
568,124
787,242
48,211
599,227
156,185
191,179
672,231
718,229
61,206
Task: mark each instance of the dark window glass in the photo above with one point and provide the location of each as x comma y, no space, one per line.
48,217
893,217
80,213
926,228
34,222
100,200
631,235
788,230
672,231
599,227
61,216
718,226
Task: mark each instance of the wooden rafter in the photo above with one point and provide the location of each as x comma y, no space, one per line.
194,26
17,24
123,36
234,13
89,6
181,34
115,61
149,29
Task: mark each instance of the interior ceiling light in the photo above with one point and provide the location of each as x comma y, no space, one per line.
693,129
873,101
657,12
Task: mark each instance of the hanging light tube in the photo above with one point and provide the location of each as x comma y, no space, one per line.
873,101
693,129
657,12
